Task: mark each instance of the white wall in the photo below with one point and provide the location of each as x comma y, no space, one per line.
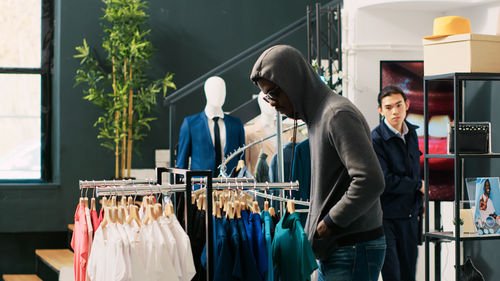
375,30
393,30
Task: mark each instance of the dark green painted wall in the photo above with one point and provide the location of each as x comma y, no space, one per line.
191,38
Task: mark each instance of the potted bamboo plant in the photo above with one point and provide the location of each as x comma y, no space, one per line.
119,84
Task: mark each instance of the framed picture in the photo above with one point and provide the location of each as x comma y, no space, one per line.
408,75
487,205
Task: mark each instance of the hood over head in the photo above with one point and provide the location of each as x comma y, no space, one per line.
286,67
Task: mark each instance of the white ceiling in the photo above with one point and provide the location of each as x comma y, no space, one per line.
423,5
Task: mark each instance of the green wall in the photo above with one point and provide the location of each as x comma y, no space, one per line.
191,38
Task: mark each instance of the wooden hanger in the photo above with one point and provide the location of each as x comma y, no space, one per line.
149,215
134,215
241,164
266,206
290,206
157,210
121,215
255,207
169,210
145,202
123,201
104,203
272,212
232,210
107,217
237,209
92,204
218,208
86,202
130,201
204,202
114,214
113,201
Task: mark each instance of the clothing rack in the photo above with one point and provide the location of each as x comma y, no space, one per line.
183,182
204,177
243,148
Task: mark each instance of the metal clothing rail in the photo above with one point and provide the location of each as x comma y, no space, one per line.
277,198
165,188
104,183
243,148
189,178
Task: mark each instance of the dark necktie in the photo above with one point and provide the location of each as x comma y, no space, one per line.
217,145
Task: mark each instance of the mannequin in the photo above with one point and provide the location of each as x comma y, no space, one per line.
197,136
267,117
262,126
215,93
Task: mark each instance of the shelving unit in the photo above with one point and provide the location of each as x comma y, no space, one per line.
438,237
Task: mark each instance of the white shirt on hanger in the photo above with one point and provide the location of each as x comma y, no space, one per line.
171,244
158,264
137,251
184,253
107,259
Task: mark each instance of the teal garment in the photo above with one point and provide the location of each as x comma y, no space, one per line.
301,170
268,224
293,257
261,168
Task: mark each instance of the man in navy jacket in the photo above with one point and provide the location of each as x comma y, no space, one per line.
396,144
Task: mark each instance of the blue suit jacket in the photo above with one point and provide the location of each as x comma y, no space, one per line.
400,163
195,142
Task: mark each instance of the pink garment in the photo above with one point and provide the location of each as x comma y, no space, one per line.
80,243
95,220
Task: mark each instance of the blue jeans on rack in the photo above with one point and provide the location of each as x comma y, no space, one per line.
359,262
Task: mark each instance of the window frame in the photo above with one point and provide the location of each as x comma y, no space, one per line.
45,71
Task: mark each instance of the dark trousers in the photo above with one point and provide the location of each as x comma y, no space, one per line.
401,255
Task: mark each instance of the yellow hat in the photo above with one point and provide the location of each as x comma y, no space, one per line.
450,25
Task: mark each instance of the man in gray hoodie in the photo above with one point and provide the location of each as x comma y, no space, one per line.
344,224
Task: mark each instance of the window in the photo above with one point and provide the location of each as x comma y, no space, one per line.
25,68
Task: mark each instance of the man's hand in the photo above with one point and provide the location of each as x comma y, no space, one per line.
322,230
422,189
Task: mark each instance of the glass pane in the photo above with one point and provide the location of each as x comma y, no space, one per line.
20,33
20,124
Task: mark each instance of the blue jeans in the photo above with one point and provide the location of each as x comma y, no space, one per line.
360,262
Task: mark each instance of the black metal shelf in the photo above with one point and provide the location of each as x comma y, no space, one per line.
464,155
458,79
450,236
479,76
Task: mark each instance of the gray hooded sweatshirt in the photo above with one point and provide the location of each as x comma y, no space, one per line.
346,178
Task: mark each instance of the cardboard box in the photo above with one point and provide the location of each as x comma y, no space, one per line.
462,53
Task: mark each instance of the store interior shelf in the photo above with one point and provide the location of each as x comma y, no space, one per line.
464,76
464,155
448,235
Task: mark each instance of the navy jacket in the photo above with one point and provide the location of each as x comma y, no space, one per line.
400,163
195,142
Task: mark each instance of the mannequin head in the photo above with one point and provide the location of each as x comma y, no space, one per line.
265,107
215,91
267,116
